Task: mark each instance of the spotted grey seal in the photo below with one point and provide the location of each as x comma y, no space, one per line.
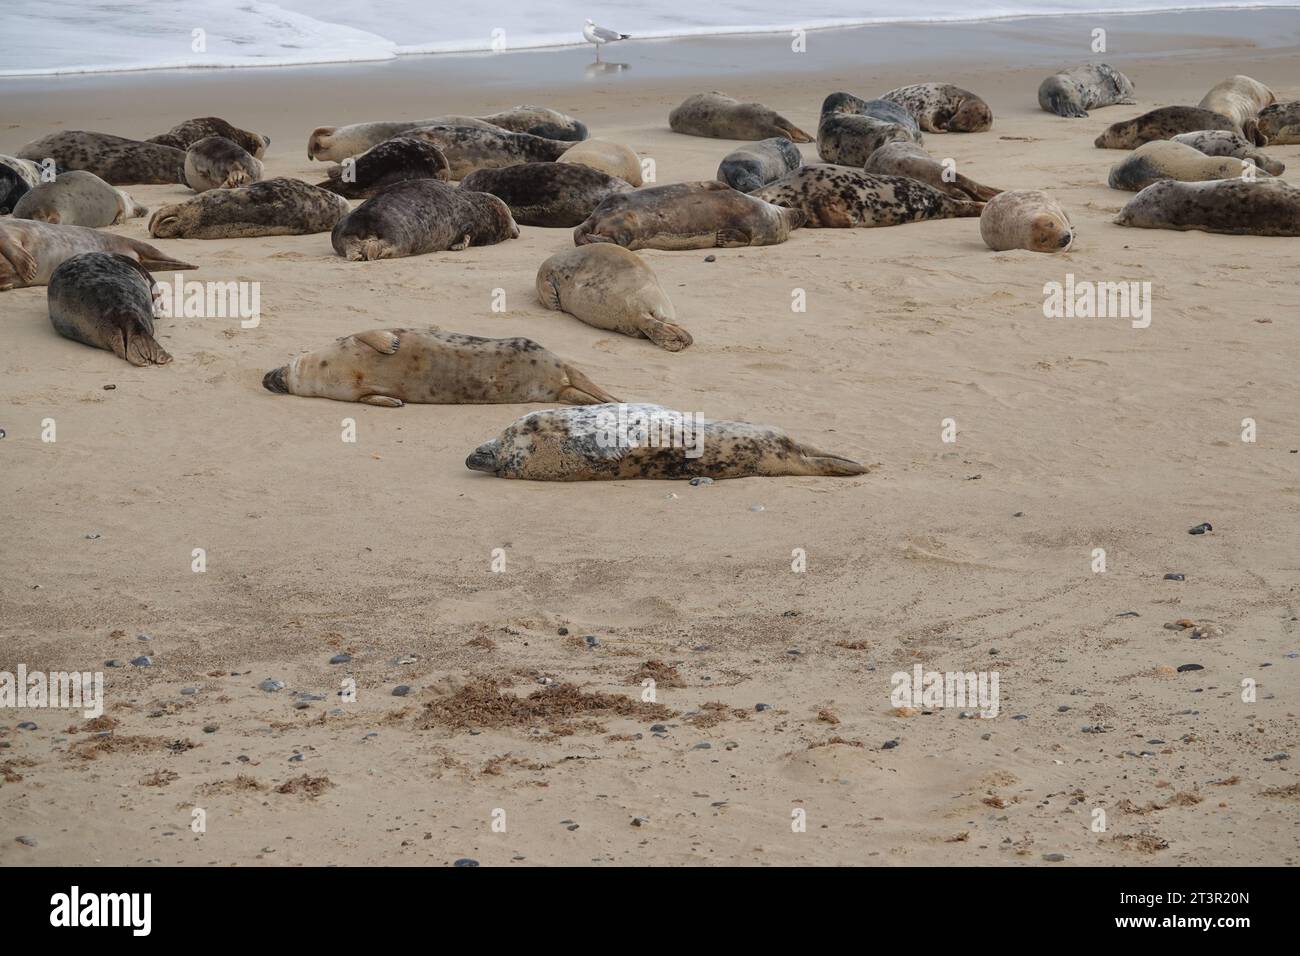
610,287
698,215
105,300
754,166
114,159
943,108
219,163
418,216
1071,93
1025,219
610,442
428,366
547,194
78,198
392,161
839,197
30,251
186,134
1163,123
1268,207
911,160
272,207
849,139
539,121
1280,123
723,117
1222,142
468,148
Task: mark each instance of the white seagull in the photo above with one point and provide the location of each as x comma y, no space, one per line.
600,36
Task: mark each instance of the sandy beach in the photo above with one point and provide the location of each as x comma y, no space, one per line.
1072,435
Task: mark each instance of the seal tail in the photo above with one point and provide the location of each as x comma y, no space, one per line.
966,210
582,390
974,190
140,348
821,463
155,260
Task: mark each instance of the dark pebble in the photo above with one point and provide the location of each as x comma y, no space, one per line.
703,745
27,725
465,861
1277,758
696,482
1175,576
1053,857
1183,668
762,707
564,632
1201,528
401,690
592,640
889,745
1128,614
658,729
710,258
341,659
142,661
26,840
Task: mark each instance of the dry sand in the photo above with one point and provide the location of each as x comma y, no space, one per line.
1073,434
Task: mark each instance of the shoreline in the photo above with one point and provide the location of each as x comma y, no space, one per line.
697,54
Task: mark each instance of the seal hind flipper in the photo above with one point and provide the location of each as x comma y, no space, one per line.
549,294
821,463
666,335
137,345
155,260
383,342
974,190
582,390
383,401
463,242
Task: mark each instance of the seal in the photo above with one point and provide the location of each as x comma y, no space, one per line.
547,194
836,197
539,121
1071,93
1280,123
612,158
610,442
468,148
721,117
105,300
17,176
754,166
1221,142
186,134
219,163
428,366
337,143
849,139
1165,159
78,198
392,161
272,207
1163,123
1025,219
912,161
884,110
943,108
419,216
30,251
609,287
1240,98
119,161
698,215
1269,207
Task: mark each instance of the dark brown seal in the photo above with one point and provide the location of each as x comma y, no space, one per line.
547,194
422,215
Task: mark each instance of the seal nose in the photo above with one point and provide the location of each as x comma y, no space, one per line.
274,380
483,458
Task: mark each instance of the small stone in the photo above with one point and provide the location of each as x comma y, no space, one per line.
1128,614
143,637
794,652
658,729
341,659
297,758
757,508
27,725
301,705
1184,668
113,663
110,387
1053,857
703,745
889,744
401,690
189,691
564,632
1175,576
271,685
26,840
1201,528
762,707
905,711
710,258
93,535
640,821
1277,758
142,661
211,729
967,714
1018,514
465,861
696,482
592,640
1020,717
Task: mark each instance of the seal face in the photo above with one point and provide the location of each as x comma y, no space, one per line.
837,197
912,161
119,161
608,287
272,207
392,161
418,216
468,148
78,198
700,215
612,158
1071,93
754,166
1163,123
1240,98
1165,159
1221,142
722,117
1237,207
105,300
1280,123
219,163
547,194
30,251
606,442
1025,219
186,134
943,108
395,366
